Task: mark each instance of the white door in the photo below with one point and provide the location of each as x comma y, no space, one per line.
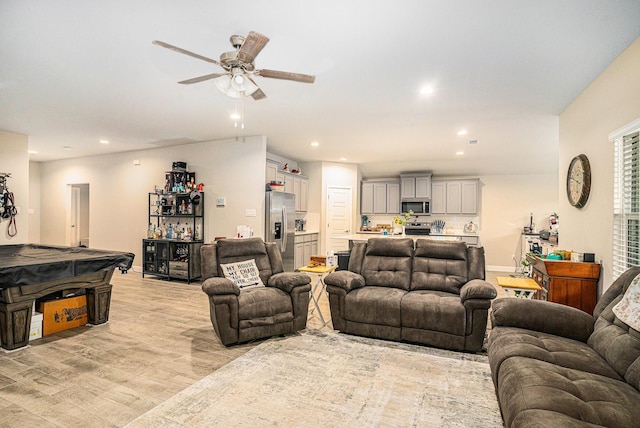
339,216
74,218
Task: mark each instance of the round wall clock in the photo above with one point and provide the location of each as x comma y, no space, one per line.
579,181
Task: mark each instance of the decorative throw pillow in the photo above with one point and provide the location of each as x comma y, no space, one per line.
243,274
628,309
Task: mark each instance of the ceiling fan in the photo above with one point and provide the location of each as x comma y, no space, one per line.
237,80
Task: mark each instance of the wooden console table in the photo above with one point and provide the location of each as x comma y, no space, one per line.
569,283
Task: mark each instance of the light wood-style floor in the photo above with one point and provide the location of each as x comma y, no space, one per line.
159,340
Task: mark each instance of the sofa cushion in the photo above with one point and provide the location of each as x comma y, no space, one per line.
387,263
263,302
507,342
435,311
614,340
374,305
537,390
440,265
238,250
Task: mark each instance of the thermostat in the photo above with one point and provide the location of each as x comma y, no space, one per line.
220,201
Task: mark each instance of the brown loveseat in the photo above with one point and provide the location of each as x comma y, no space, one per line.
553,365
434,294
280,307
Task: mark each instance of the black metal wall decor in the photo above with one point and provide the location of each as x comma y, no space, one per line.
8,208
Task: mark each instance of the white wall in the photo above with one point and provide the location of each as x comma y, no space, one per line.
34,202
610,102
14,159
119,190
507,203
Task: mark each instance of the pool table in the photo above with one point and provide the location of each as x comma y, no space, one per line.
31,271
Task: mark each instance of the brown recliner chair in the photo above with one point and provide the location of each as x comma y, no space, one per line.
280,307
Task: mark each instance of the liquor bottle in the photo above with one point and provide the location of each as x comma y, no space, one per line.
169,232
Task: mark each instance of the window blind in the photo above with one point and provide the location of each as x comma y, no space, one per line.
626,202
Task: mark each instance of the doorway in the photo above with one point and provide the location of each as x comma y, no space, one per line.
339,217
78,215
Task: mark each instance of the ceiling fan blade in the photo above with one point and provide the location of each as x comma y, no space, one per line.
186,52
201,78
253,44
285,75
258,95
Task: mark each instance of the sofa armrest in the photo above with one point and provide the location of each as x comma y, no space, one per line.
477,289
287,281
216,286
542,316
345,279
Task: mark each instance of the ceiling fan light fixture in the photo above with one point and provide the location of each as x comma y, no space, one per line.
236,85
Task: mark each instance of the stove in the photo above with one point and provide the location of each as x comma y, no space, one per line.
417,228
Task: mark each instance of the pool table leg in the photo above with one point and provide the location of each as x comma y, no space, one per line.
98,303
15,324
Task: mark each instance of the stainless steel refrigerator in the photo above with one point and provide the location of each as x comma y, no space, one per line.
280,210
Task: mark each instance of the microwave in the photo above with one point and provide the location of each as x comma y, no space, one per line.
418,206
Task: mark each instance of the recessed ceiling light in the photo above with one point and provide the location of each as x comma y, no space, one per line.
473,141
426,90
343,159
462,132
32,152
67,147
459,153
315,144
104,141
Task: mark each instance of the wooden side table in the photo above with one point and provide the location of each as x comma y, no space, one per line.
570,283
524,288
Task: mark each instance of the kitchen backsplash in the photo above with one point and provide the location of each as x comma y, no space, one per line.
453,224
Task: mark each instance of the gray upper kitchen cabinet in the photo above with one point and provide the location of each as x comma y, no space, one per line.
454,197
380,197
415,186
469,197
366,198
393,198
438,197
293,183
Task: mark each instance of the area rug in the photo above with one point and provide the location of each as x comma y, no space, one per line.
335,380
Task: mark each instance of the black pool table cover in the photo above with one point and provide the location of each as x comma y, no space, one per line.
27,264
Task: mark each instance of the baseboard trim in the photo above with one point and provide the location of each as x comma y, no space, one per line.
500,269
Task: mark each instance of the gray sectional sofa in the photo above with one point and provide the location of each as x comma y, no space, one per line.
433,294
553,365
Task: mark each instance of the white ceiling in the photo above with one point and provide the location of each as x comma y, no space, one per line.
75,72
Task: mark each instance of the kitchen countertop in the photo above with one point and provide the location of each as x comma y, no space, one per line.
364,232
454,234
363,236
306,232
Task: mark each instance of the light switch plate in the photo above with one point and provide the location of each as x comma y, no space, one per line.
249,212
220,201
